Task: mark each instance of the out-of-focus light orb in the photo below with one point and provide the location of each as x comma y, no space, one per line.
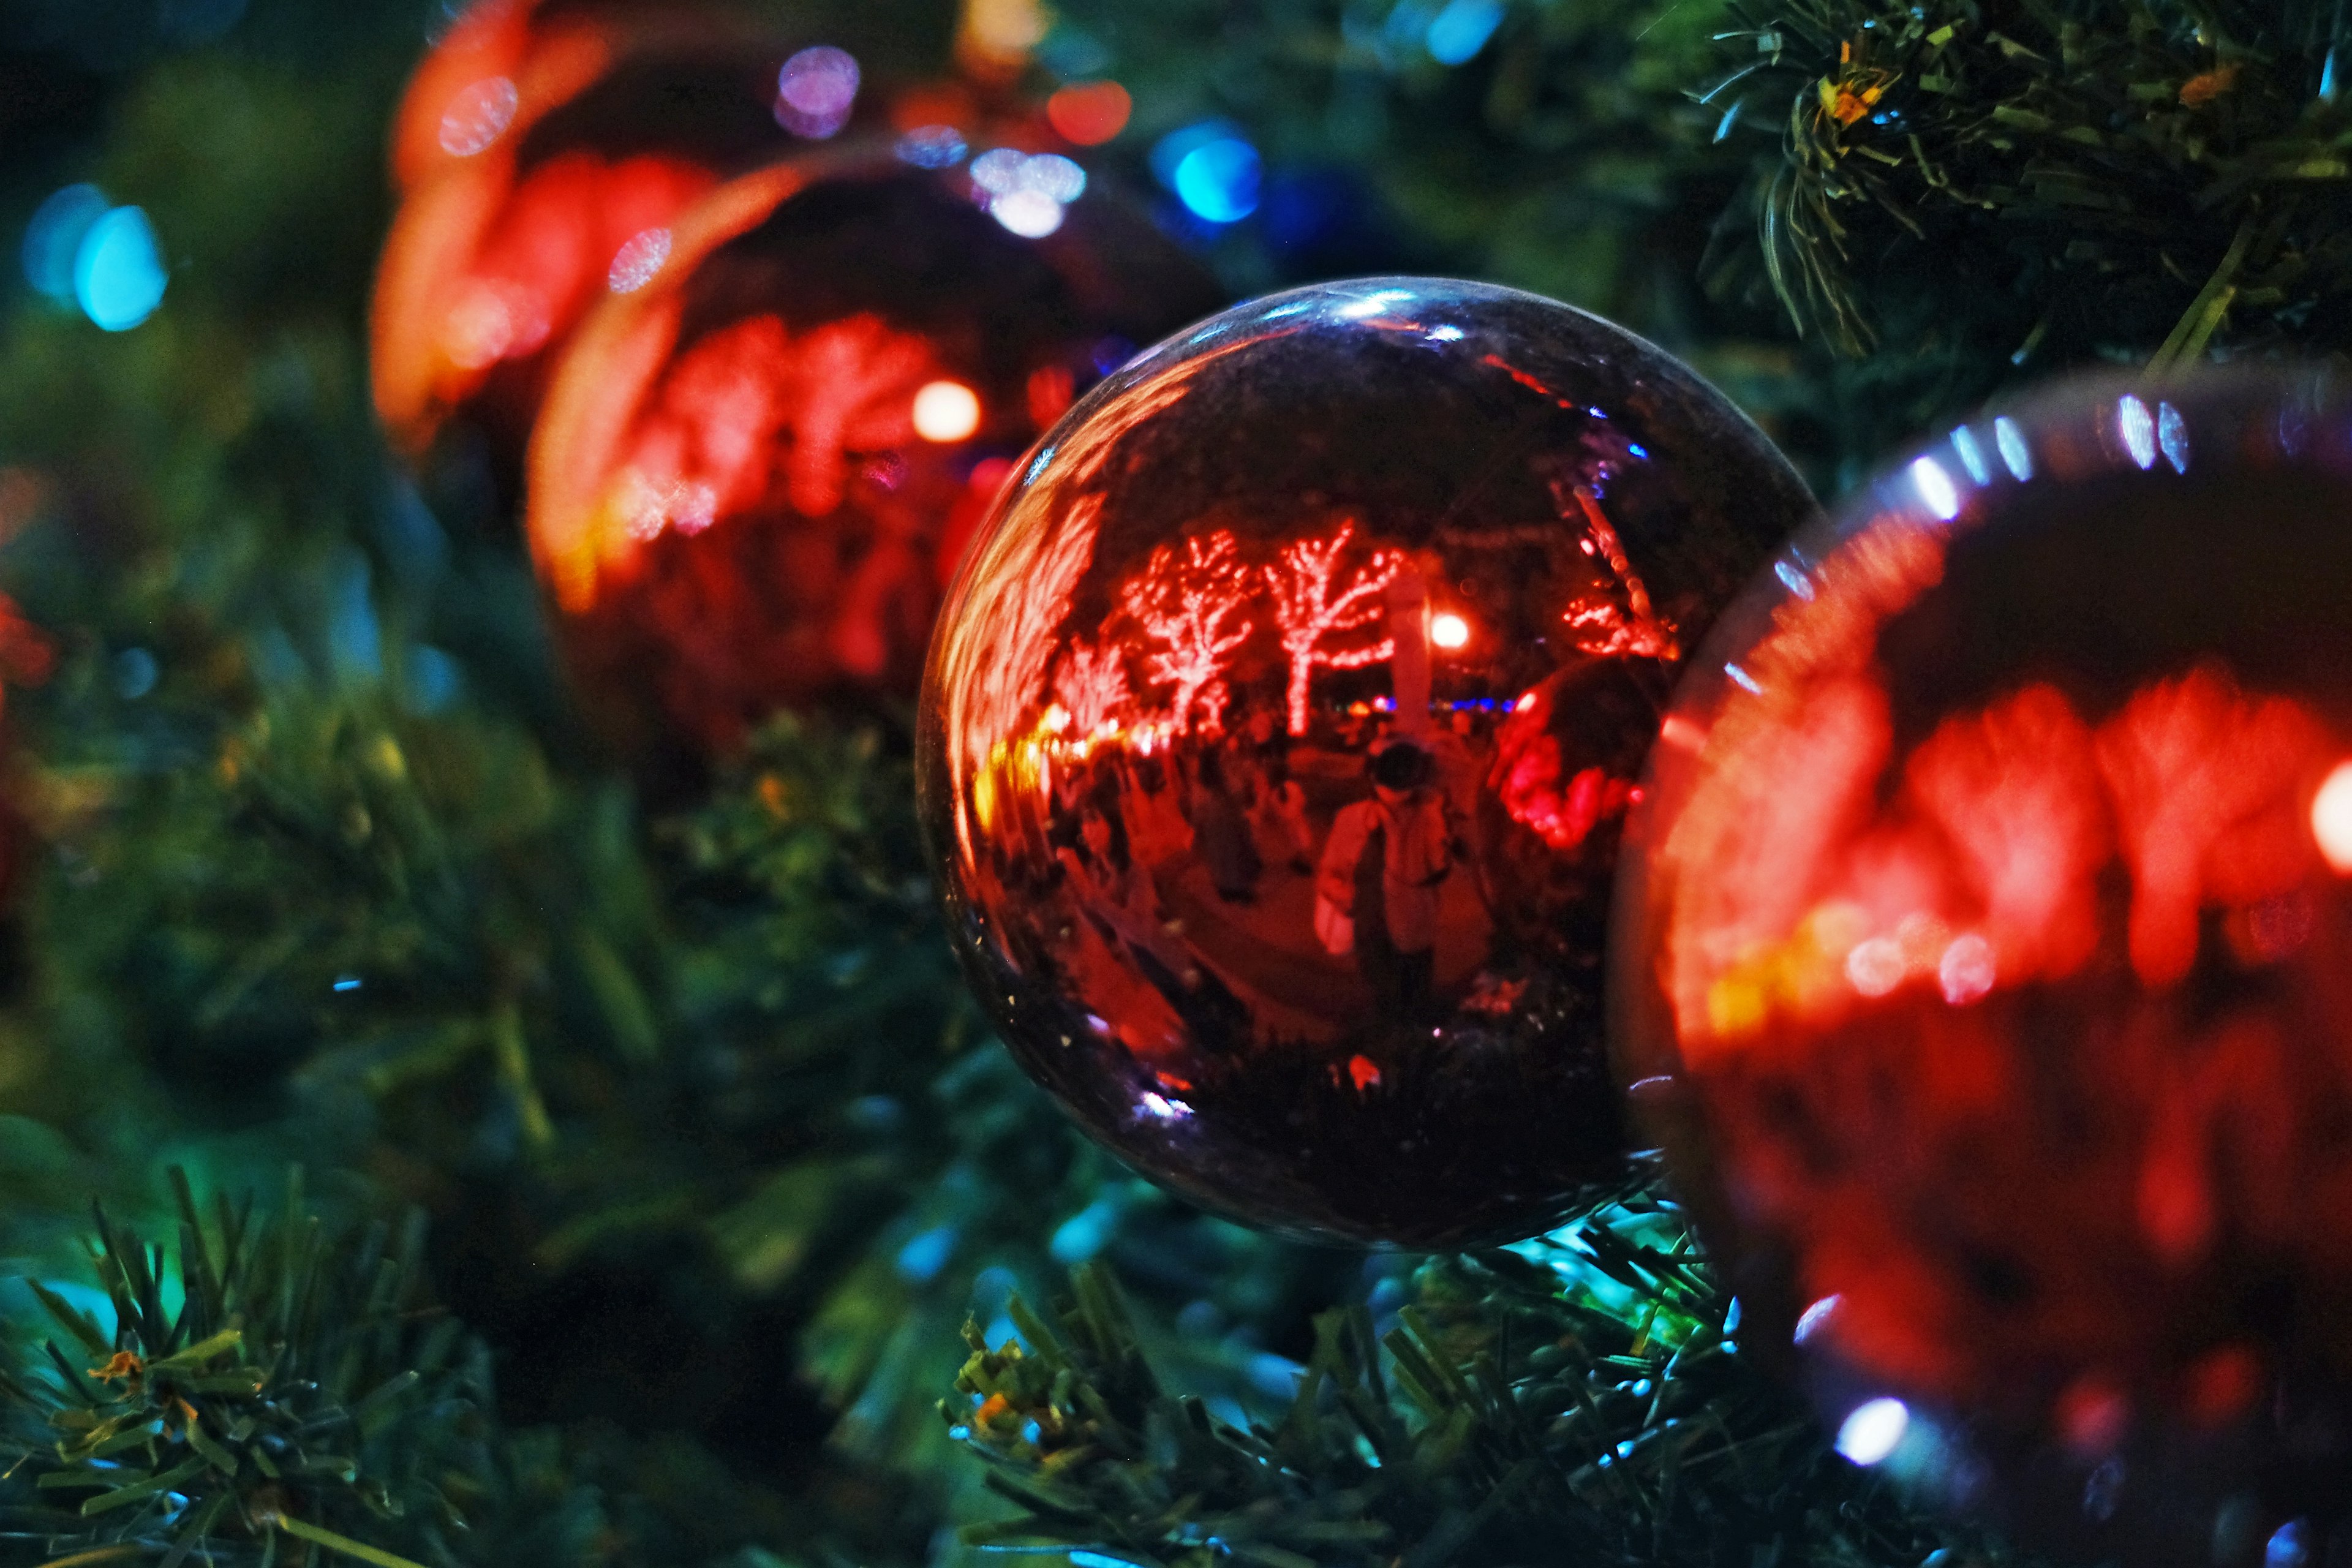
1218,180
1087,114
119,274
932,147
53,238
1457,33
946,410
478,116
1032,215
1873,1431
635,264
816,91
2331,819
1449,631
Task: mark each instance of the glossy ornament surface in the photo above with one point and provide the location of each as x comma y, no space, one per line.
542,150
1988,972
752,477
1278,730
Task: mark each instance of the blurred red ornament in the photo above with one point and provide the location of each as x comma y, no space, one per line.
753,476
1277,732
1989,973
542,149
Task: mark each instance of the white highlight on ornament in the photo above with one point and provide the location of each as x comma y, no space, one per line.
1873,1431
2013,449
1449,630
635,264
946,410
1935,489
2137,427
1374,304
478,116
2331,819
1793,577
1817,1317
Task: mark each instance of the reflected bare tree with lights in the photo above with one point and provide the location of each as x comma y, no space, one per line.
1259,716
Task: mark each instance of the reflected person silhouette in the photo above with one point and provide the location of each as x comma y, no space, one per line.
1383,866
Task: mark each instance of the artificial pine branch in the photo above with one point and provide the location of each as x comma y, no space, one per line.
268,1389
1572,1401
2062,179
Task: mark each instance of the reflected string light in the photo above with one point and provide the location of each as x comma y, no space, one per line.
477,116
946,410
1966,972
1874,1431
2331,819
1087,114
1935,489
54,238
1458,32
635,264
119,274
2014,454
1449,631
1793,577
2137,427
2172,437
1971,455
816,91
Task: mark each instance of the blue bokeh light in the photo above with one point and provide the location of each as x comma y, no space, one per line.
1219,180
54,237
118,271
1462,29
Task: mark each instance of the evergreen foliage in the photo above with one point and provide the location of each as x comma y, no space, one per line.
318,861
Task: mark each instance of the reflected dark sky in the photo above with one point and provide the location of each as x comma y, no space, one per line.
1280,727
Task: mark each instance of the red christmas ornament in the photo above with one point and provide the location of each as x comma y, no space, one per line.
754,474
542,150
1278,731
1986,971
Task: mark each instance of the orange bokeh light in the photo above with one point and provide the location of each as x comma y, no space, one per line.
1090,113
1449,630
2331,819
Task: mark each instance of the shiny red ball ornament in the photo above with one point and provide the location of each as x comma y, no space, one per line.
542,150
752,477
1279,728
1986,968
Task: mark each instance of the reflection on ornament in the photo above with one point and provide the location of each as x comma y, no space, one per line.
1221,801
752,472
1987,971
542,150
